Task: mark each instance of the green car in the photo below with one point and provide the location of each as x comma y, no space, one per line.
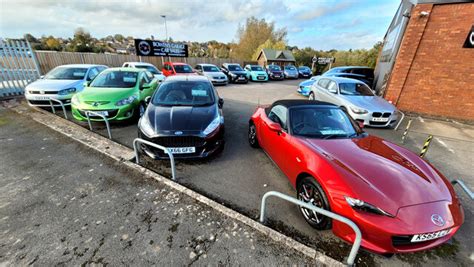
116,93
256,73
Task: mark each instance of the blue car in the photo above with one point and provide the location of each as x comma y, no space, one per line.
304,88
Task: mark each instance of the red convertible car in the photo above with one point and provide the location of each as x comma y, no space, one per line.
399,201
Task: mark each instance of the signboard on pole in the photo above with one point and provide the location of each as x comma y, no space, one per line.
325,60
159,48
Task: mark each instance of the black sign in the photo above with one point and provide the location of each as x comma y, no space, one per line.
325,60
159,48
470,39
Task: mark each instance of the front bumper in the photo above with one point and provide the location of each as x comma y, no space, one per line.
41,100
204,146
273,76
385,235
304,90
114,112
219,81
239,79
291,75
376,119
304,75
259,78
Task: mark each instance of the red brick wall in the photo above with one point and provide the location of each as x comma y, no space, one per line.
433,74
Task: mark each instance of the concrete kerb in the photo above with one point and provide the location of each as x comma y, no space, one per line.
124,155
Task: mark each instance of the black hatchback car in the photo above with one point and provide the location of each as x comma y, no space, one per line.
235,73
185,116
361,73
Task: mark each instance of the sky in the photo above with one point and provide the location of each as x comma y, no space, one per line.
320,24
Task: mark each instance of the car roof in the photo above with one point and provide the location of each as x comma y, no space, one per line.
139,63
176,63
82,65
206,64
352,67
186,78
341,79
125,69
300,102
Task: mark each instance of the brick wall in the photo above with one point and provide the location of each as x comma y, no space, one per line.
433,74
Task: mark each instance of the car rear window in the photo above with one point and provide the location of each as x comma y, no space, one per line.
183,69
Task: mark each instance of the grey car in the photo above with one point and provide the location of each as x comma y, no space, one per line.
356,98
213,73
290,72
61,83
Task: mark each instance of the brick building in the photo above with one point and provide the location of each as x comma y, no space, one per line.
426,65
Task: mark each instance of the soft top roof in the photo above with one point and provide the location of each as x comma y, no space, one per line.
300,102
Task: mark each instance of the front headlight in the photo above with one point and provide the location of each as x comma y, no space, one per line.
358,204
126,101
358,110
213,125
67,91
233,75
145,126
75,100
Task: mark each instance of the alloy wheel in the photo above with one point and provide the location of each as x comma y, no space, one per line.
310,194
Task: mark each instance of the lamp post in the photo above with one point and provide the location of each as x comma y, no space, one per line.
166,32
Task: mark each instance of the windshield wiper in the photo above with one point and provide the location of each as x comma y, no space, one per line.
329,136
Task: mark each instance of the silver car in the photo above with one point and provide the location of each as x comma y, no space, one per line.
290,72
356,98
61,83
212,72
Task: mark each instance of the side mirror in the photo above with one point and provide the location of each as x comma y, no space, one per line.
275,127
333,91
221,103
42,77
147,100
361,124
145,86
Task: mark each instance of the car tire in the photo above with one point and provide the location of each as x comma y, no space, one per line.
311,96
252,136
309,191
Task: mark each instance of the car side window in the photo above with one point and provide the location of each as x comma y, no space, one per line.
323,83
167,67
125,65
278,114
332,87
143,80
92,73
149,76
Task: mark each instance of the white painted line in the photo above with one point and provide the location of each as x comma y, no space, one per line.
421,119
445,145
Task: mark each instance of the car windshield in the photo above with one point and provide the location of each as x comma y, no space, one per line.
183,69
184,93
115,79
304,68
274,67
66,73
151,69
321,122
256,68
210,69
357,89
290,68
235,68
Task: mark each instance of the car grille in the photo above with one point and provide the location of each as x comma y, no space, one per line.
179,141
218,78
380,114
378,123
46,102
112,113
44,93
98,102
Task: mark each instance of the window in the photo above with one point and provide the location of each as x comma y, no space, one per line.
184,93
355,89
66,73
321,122
198,67
278,115
323,83
210,69
115,79
92,73
183,69
167,67
125,65
332,87
149,76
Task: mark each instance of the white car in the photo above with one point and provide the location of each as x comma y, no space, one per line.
213,73
61,83
149,67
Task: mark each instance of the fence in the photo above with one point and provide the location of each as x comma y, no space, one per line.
17,65
48,60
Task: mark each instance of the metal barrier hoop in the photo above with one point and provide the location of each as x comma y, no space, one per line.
400,121
99,115
61,103
170,155
464,187
357,240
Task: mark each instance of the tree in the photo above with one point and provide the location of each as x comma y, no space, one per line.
82,41
52,44
30,38
254,33
119,38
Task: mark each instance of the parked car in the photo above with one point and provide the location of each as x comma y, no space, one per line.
149,67
400,202
356,98
256,73
304,72
60,83
290,72
363,74
116,93
213,73
177,68
185,116
234,73
274,72
304,88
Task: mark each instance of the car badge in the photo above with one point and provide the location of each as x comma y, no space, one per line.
437,219
178,133
95,104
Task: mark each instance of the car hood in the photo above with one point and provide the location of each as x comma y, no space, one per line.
276,71
214,74
258,72
167,119
104,94
382,173
304,71
372,103
54,85
240,72
291,71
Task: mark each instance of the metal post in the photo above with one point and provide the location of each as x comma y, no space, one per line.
406,131
426,146
464,187
357,240
400,121
170,155
88,112
62,106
